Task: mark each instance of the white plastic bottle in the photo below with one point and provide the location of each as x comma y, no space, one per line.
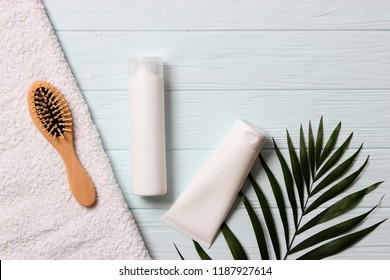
147,126
204,204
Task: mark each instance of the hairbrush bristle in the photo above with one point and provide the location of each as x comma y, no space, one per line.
51,111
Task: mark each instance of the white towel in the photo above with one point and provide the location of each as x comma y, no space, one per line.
39,218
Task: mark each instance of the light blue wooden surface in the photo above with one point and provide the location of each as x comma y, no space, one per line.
275,63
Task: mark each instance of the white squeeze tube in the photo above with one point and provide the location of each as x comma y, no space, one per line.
147,126
204,204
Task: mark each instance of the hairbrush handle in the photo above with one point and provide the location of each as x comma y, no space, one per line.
80,183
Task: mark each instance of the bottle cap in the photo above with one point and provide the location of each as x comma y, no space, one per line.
145,66
247,135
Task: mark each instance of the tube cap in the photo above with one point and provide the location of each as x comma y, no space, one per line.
145,66
247,135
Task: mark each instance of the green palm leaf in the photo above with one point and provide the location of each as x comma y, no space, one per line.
337,189
319,142
288,181
279,199
340,207
305,166
177,250
312,152
330,144
336,173
331,232
257,228
235,247
269,220
296,168
334,158
336,246
202,254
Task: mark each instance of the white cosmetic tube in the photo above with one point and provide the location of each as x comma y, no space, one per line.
147,126
204,204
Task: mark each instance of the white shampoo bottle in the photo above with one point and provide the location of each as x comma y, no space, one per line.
147,126
204,204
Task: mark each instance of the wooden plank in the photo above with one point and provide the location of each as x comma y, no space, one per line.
218,15
234,60
159,237
200,119
182,165
276,63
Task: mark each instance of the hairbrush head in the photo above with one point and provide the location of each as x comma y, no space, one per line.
50,110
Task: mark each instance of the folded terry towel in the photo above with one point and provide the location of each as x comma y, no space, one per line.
39,218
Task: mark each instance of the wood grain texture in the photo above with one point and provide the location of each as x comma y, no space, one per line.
275,63
241,60
218,15
200,119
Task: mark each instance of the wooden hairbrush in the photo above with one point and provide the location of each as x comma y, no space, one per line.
52,116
